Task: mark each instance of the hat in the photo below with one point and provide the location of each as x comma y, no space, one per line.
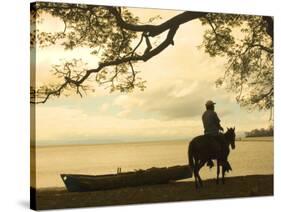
209,103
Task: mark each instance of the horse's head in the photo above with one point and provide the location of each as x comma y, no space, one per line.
230,136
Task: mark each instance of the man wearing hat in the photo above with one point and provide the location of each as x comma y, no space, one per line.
211,120
212,127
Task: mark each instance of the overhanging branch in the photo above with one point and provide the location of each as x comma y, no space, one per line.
146,56
154,30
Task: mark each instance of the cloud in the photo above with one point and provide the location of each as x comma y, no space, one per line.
104,108
57,125
179,81
179,100
179,91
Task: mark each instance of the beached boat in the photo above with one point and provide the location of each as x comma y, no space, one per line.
78,183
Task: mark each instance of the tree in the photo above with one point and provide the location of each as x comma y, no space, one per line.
260,132
116,36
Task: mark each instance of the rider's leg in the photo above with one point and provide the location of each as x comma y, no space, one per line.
213,148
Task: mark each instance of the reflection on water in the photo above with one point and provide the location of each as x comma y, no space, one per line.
247,158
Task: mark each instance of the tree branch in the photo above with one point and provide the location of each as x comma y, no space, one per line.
215,32
154,30
270,26
264,48
146,56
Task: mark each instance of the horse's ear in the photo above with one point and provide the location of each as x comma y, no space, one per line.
233,128
227,128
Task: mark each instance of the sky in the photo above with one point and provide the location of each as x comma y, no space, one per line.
179,82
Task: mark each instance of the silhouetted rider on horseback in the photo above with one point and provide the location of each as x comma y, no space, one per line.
212,127
211,120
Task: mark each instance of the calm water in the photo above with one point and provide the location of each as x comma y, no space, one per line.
247,158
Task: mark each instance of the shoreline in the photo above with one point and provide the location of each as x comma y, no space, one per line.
239,186
187,140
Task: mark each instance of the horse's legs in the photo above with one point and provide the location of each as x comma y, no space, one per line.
201,164
200,180
218,171
225,166
195,170
195,177
223,172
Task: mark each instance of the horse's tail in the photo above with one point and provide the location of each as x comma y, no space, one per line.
190,156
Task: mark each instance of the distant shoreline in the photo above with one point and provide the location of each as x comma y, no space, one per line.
244,139
115,143
258,139
241,186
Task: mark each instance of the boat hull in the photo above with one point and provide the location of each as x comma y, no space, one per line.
78,183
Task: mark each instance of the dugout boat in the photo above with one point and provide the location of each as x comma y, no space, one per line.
80,183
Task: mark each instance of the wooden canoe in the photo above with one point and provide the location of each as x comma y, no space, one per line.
78,183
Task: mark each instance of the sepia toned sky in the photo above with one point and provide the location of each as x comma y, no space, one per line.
179,82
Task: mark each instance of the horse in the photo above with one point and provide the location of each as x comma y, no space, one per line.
202,149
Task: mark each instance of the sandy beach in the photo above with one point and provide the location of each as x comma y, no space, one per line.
241,186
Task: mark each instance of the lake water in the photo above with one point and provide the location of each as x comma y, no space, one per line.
248,158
